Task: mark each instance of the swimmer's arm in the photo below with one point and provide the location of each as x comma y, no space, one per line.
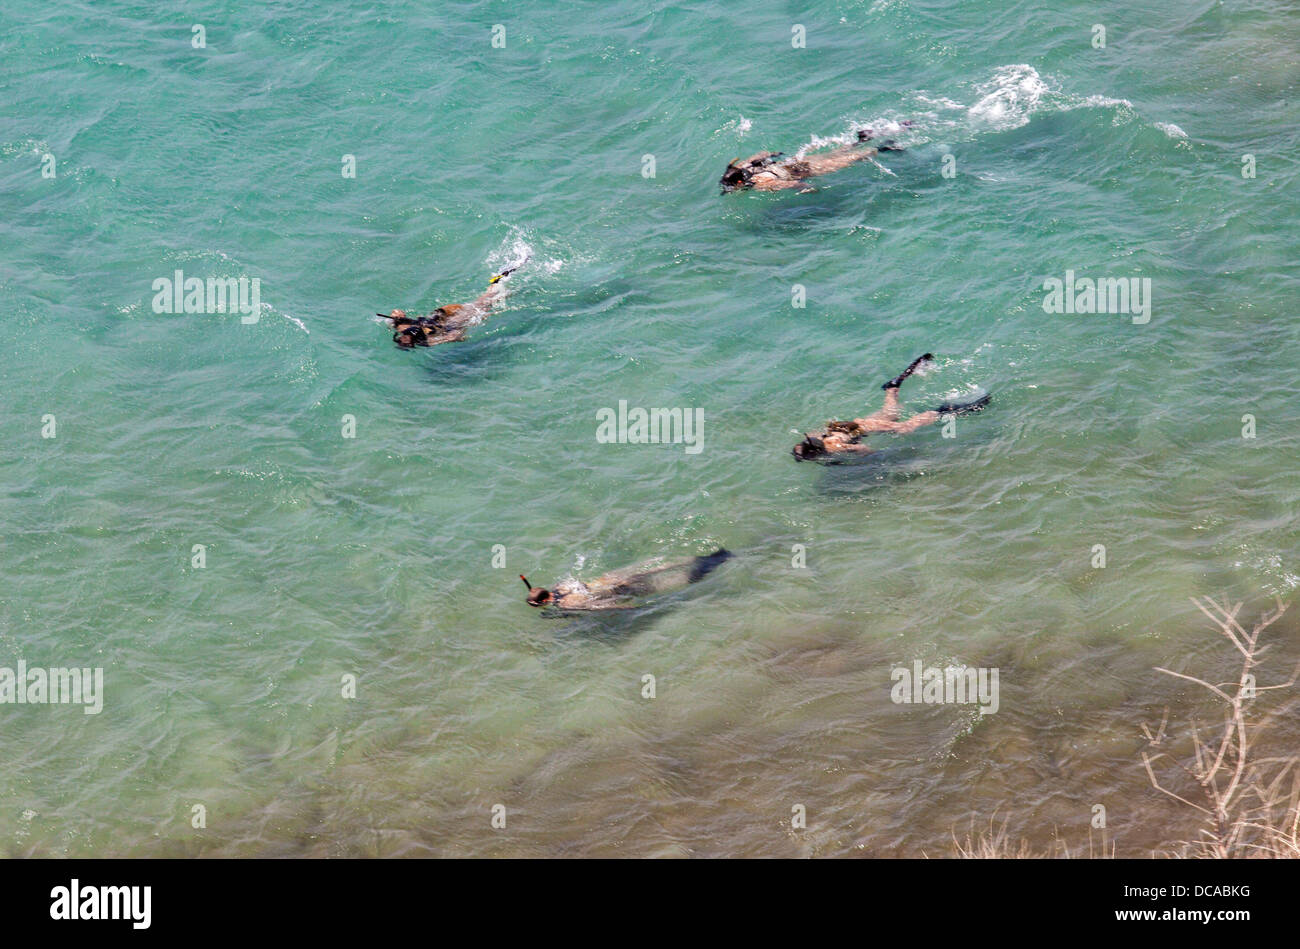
777,184
493,295
450,336
497,289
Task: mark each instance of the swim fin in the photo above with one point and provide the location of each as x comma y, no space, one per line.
703,565
897,381
960,408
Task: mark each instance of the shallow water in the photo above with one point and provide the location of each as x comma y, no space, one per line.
373,556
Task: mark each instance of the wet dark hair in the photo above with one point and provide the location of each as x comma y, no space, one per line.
810,447
410,336
536,595
734,177
741,170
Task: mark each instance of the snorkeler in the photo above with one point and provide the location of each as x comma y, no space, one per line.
448,324
845,438
768,171
619,589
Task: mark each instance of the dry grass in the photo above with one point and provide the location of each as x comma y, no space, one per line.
1249,805
995,844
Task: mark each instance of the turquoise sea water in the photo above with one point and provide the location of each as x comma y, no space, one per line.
372,556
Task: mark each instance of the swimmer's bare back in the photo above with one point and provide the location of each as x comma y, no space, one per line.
800,170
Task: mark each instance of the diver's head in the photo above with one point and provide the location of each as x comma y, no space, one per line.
406,338
537,596
736,176
811,447
740,172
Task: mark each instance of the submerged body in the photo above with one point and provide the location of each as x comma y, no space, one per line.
620,589
844,439
768,171
447,324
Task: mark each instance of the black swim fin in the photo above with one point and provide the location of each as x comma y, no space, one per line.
704,565
959,408
897,381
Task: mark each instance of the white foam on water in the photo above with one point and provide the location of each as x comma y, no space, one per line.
736,127
519,247
1102,102
882,167
817,143
1279,580
514,249
1009,98
882,127
292,319
942,102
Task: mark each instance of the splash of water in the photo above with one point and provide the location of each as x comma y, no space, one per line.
1009,98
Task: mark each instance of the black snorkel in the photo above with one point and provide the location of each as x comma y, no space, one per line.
509,270
536,595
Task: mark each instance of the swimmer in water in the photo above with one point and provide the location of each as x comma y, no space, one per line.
768,171
448,324
620,589
845,438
